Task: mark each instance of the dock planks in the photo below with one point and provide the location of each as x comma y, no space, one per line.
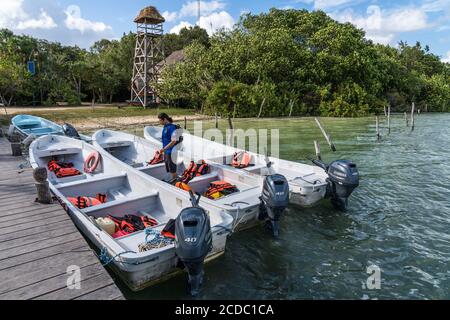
39,242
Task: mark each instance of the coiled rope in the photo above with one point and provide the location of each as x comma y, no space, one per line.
105,258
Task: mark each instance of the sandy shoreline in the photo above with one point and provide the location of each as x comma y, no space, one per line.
121,122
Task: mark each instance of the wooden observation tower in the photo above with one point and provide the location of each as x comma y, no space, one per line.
148,52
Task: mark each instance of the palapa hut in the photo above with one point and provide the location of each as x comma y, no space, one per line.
149,15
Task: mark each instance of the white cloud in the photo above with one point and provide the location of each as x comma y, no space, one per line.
382,25
324,4
190,9
447,58
74,21
43,22
10,11
435,5
178,27
216,21
13,16
170,16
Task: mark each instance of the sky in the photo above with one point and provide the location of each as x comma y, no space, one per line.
82,22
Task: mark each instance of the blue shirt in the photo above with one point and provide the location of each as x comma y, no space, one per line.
167,133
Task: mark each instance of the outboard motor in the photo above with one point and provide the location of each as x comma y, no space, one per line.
274,200
343,178
70,131
193,241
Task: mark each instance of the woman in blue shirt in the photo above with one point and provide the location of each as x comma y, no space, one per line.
169,139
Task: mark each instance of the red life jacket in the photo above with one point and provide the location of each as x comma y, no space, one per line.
222,187
131,223
189,173
202,169
241,160
194,170
85,202
62,169
158,158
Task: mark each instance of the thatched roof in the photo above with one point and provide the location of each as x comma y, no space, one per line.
173,58
149,15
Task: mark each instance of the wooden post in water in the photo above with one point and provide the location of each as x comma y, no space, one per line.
406,119
389,119
291,105
317,147
261,108
327,137
185,123
217,121
378,129
231,135
412,116
42,188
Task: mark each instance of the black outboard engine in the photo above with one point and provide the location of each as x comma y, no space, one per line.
70,131
343,178
193,241
274,200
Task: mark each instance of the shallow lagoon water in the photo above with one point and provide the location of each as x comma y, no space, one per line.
398,219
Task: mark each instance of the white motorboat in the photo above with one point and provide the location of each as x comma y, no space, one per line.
308,184
244,205
139,257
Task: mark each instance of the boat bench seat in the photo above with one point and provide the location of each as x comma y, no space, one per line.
99,178
55,152
255,168
204,177
125,202
115,144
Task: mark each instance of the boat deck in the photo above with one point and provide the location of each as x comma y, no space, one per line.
39,242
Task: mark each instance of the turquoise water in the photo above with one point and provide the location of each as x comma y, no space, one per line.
398,219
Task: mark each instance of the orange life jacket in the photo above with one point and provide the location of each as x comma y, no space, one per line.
241,159
62,169
220,186
158,158
183,186
132,223
85,202
194,170
202,169
189,173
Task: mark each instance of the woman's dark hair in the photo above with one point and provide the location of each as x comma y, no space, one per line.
164,116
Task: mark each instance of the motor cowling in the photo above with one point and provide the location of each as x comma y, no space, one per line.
70,131
274,200
343,178
193,241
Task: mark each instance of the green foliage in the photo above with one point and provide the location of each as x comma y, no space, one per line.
271,64
307,61
70,74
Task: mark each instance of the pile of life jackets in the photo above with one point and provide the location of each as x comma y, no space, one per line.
241,160
130,223
194,170
218,189
82,202
62,169
158,158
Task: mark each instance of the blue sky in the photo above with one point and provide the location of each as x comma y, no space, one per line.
81,22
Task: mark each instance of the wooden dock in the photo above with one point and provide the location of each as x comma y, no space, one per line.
39,242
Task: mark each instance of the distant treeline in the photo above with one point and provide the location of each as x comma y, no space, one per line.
273,64
71,74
